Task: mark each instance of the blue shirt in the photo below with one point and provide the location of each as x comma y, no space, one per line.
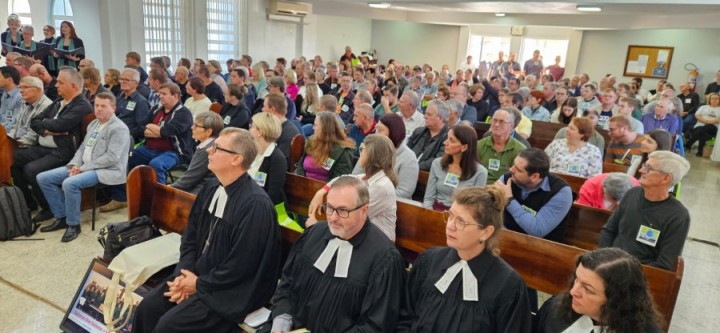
10,107
668,123
548,217
539,114
134,112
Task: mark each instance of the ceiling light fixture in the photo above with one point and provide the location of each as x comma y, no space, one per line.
379,5
588,8
500,14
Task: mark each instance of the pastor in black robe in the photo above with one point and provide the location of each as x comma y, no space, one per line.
366,301
237,272
548,320
502,304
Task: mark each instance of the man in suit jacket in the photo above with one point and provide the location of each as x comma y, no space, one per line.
102,158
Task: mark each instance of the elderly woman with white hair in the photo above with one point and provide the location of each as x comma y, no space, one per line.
648,222
12,36
604,191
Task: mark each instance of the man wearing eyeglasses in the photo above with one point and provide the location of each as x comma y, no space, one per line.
649,223
229,253
132,108
342,275
497,151
31,90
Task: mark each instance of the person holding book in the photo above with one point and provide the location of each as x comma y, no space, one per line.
49,61
27,43
72,46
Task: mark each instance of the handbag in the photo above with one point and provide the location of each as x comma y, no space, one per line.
133,266
115,237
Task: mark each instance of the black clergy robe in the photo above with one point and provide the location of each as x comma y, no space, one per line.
502,304
237,272
368,300
548,320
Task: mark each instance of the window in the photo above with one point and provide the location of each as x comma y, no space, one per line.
549,49
486,48
222,31
22,9
164,28
62,11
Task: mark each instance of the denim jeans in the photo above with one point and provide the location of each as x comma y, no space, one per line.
63,192
160,161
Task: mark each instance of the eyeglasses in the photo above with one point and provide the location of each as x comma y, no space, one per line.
341,212
198,126
499,121
459,223
215,148
122,79
28,87
649,169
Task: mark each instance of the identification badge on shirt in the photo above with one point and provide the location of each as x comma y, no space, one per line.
130,106
635,158
260,178
452,180
333,85
226,120
408,133
162,123
345,108
688,101
573,169
328,164
648,236
91,140
494,164
529,210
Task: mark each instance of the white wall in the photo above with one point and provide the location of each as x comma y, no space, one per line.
605,51
333,33
416,43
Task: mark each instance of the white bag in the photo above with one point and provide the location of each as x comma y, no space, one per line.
715,156
134,265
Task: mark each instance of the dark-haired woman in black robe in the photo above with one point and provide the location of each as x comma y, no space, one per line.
465,287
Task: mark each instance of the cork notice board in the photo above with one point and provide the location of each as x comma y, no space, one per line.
648,61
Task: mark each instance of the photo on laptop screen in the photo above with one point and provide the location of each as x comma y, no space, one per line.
85,314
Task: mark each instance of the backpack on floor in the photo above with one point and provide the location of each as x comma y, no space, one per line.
14,215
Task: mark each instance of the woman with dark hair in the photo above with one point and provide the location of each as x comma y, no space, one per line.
535,109
657,139
380,179
205,130
393,127
328,153
458,168
68,41
198,102
573,155
607,293
466,286
235,112
565,112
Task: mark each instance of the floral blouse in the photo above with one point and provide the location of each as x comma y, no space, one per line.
585,162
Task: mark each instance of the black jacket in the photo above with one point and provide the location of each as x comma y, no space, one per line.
177,128
69,120
431,148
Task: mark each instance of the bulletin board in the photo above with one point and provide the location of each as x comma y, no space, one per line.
648,61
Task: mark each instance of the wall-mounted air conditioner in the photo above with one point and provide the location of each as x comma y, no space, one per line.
289,8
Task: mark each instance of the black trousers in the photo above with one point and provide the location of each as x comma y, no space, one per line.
157,314
702,135
27,164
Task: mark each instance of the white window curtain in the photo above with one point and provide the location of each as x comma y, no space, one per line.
222,29
164,35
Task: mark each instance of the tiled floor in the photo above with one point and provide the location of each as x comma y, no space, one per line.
38,278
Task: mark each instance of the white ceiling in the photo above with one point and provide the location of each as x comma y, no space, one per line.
616,14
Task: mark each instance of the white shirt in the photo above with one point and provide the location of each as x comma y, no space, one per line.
199,106
415,121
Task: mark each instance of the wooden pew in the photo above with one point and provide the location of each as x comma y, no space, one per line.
575,182
543,133
297,147
584,225
419,193
481,129
544,265
216,107
7,150
614,167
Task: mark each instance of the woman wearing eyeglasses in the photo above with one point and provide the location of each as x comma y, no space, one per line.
458,168
466,287
607,293
205,129
377,157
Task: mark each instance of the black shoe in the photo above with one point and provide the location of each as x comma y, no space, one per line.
699,154
44,214
71,233
57,225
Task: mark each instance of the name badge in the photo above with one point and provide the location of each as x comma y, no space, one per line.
328,164
91,140
494,164
226,120
333,85
408,133
260,178
345,108
162,123
529,210
688,101
635,158
130,106
452,180
648,236
573,169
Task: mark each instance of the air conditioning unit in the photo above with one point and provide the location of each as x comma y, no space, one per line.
288,8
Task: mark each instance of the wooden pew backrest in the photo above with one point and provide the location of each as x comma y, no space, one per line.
169,208
7,150
584,225
297,147
419,193
614,167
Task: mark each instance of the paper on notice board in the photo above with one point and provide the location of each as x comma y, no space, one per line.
663,56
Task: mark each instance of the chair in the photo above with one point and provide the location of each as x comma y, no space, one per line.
170,176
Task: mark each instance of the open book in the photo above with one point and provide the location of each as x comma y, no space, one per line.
74,52
41,50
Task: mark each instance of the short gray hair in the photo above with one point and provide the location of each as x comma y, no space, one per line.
135,74
73,75
668,103
412,98
616,184
28,28
514,113
454,106
243,143
363,195
365,96
33,82
671,163
277,81
441,109
365,109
